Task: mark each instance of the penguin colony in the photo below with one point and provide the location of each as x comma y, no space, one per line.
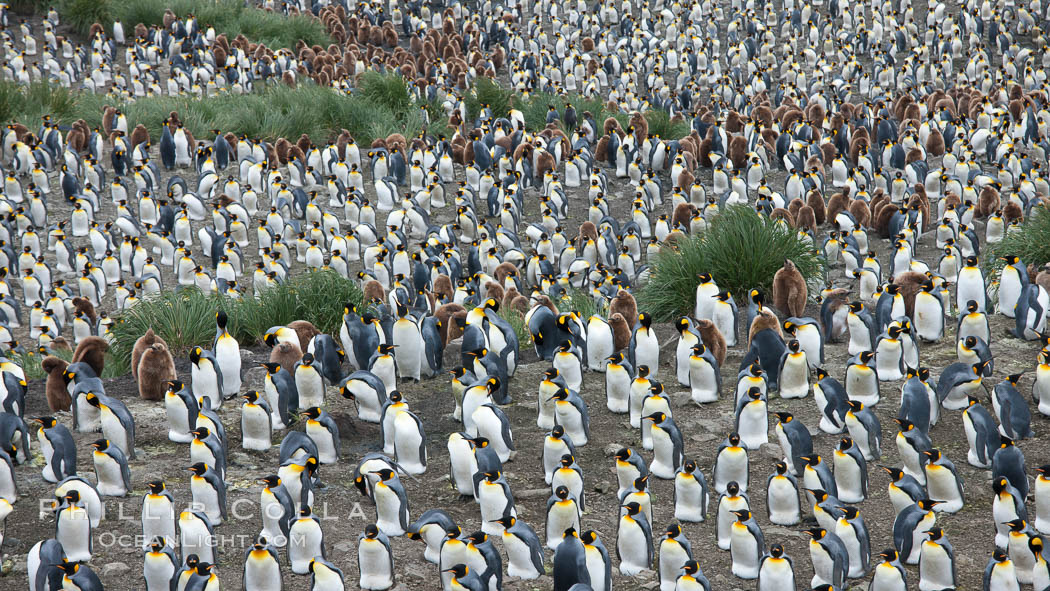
877,117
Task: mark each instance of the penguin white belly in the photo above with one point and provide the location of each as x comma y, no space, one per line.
794,378
326,452
672,558
690,502
375,566
827,424
886,578
113,430
383,368
859,339
158,572
731,466
1041,489
849,539
776,575
682,353
206,499
472,399
782,502
726,518
647,350
929,317
492,502
409,446
636,395
935,568
631,544
311,389
823,566
663,464
205,384
569,367
490,427
848,480
618,390
561,516
388,511
1004,579
519,558
89,418
566,415
48,451
228,356
271,511
304,543
74,533
744,552
262,574
255,428
158,520
369,407
599,345
888,361
861,385
595,567
462,465
409,349
753,425
652,404
722,318
702,380
110,479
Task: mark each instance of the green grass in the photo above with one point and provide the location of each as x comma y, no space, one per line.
740,249
28,104
487,91
1031,243
517,322
578,300
30,362
81,14
231,17
186,318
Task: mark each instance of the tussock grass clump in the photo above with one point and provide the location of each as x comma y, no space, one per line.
28,104
517,322
231,17
578,300
487,91
740,249
186,318
30,361
81,14
1031,243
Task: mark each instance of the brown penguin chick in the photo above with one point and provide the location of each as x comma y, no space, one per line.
683,213
1012,211
685,179
704,157
520,304
921,202
306,331
55,390
455,325
987,201
588,231
59,344
504,270
913,155
286,354
789,290
713,339
806,219
139,134
766,318
641,127
795,205
860,211
544,163
443,288
935,142
508,298
144,342
1043,279
600,152
838,203
83,305
816,201
444,314
881,224
494,291
738,151
545,301
92,351
373,291
621,331
156,369
763,115
781,213
909,283
625,305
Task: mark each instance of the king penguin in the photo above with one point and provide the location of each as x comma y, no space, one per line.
262,570
227,356
777,571
111,469
375,560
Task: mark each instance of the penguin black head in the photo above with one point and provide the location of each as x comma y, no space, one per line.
733,439
479,441
198,469
201,432
856,307
927,504
155,486
845,443
557,432
785,417
623,453
312,413
1005,441
757,297
493,383
478,537
562,492
46,422
643,371
1014,378
195,355
811,460
371,531
732,488
1016,525
645,319
971,261
866,356
567,460
68,568
850,512
100,444
817,533
673,530
742,515
271,368
221,319
682,324
308,359
384,349
384,474
507,521
699,349
157,544
72,496
204,569
657,417
641,483
633,508
1035,544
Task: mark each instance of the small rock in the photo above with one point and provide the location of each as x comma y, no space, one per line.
612,448
773,450
712,425
113,569
533,493
603,487
345,546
